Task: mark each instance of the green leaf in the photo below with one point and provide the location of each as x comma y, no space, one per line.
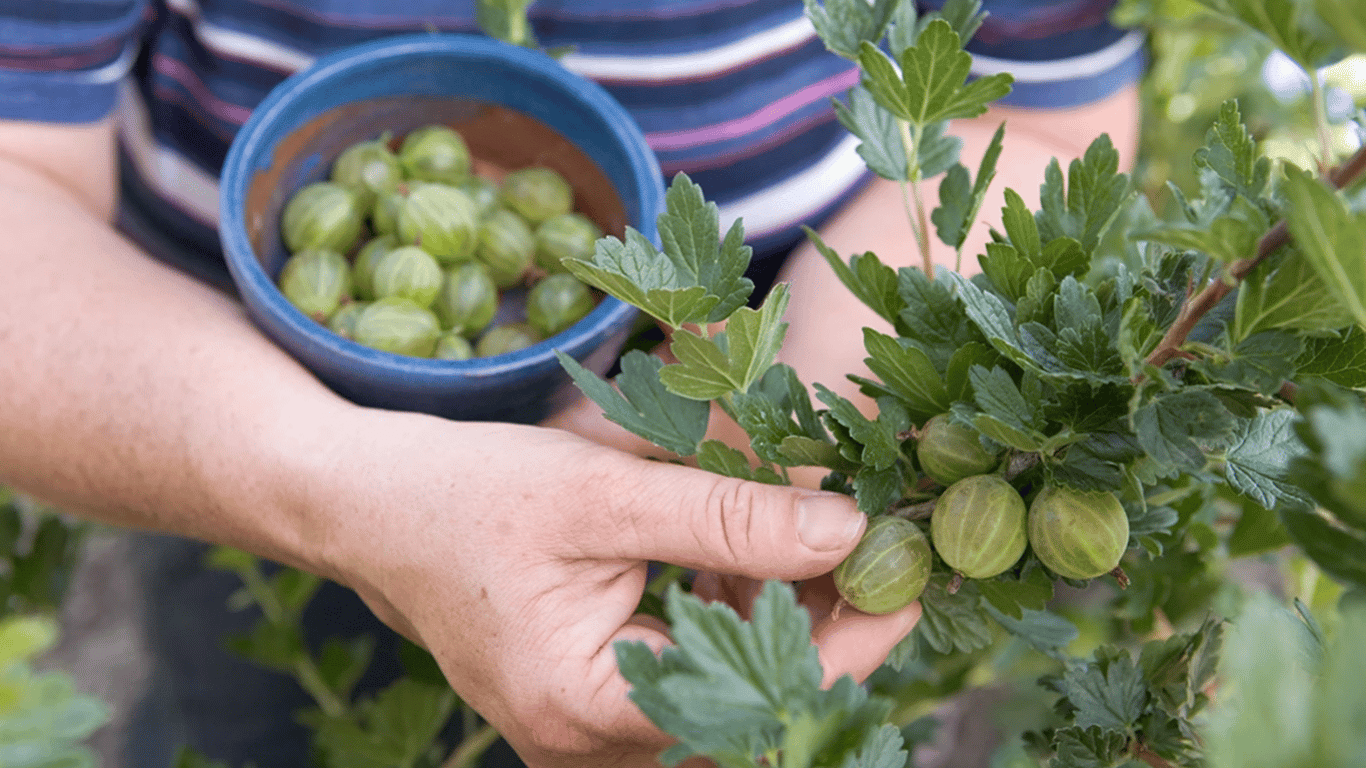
274,646
954,622
1286,294
506,20
408,715
1092,747
958,376
881,448
961,198
990,315
1231,152
907,371
1331,237
1341,360
23,637
882,750
1178,669
1168,426
934,73
1228,234
1094,192
721,688
1044,630
881,147
844,25
731,361
803,451
698,278
1281,21
294,588
1348,21
930,315
877,489
965,16
874,283
1339,551
1261,363
1108,693
1011,597
1007,417
766,421
716,456
342,662
880,79
1258,530
1258,456
1334,469
642,404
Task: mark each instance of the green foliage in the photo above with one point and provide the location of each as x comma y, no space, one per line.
43,718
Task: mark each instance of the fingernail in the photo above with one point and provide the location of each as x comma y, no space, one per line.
827,521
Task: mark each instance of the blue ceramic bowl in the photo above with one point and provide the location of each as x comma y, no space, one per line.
515,107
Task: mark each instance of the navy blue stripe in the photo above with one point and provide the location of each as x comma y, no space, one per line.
748,175
661,36
1078,91
1077,42
35,96
59,26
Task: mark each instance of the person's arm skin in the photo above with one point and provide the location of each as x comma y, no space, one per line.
133,395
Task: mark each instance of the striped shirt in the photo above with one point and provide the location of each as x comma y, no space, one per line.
734,92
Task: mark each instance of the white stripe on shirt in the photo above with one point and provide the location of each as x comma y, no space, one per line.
170,175
800,196
1062,70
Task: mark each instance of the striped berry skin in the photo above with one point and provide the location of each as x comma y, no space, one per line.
889,567
1078,534
978,526
949,452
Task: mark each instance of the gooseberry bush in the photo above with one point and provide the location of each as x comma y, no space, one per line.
1073,455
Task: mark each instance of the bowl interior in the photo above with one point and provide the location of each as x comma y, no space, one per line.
500,139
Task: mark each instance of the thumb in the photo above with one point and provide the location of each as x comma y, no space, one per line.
705,521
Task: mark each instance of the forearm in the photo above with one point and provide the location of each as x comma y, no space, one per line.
135,396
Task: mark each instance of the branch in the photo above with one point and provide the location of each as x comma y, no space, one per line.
1197,306
1141,752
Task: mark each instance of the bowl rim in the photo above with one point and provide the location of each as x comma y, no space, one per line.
250,141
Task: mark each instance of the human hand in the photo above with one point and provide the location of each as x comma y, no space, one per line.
517,555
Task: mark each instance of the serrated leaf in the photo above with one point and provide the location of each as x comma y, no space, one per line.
881,749
273,646
294,589
407,716
1008,269
931,316
1231,152
803,451
1258,530
1286,294
934,73
1178,669
877,489
881,147
1168,426
1258,456
1094,192
956,622
958,377
874,283
1008,416
1020,226
960,198
883,83
878,437
716,456
1341,360
990,315
698,278
965,16
1261,362
908,372
1228,235
1092,747
642,404
753,338
1331,237
843,25
1045,630
721,688
1108,693
1012,596
766,422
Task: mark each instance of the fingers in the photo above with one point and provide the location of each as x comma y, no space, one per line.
856,643
700,520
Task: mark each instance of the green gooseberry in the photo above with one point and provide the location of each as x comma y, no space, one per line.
409,272
435,153
537,194
316,281
368,168
395,324
506,247
567,236
468,299
557,302
453,346
442,220
507,338
323,216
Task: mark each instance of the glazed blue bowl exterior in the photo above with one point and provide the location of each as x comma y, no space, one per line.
399,84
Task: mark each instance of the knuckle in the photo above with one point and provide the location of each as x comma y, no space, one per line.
730,518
